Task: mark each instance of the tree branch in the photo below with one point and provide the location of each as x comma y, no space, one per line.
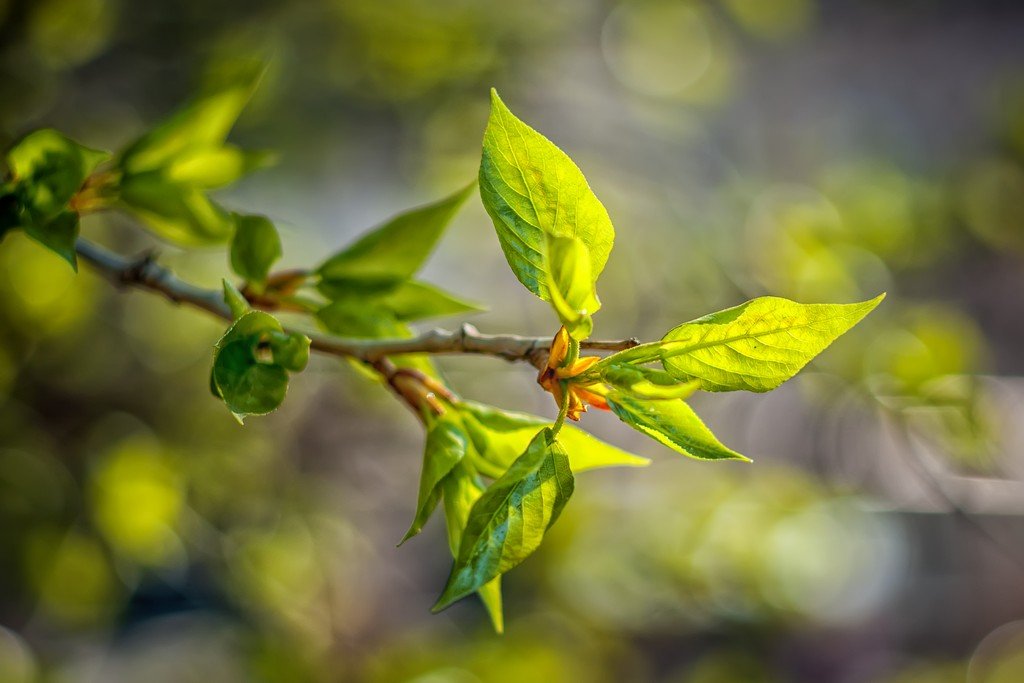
145,273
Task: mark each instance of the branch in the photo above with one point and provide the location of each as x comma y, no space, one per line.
145,273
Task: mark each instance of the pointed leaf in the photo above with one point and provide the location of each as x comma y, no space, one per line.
394,251
759,345
445,446
532,191
200,126
255,247
58,234
509,521
412,301
672,423
461,489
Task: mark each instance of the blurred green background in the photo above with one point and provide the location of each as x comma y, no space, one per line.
819,151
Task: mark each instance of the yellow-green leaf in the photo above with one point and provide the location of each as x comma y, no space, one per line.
758,345
532,191
571,285
672,423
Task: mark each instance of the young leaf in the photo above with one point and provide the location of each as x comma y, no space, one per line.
251,364
510,519
360,319
532,191
200,127
571,285
500,436
394,251
411,301
255,247
49,169
57,234
446,445
758,345
460,490
646,383
672,423
181,214
213,167
236,302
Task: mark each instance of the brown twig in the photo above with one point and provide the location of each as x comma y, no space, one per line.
145,273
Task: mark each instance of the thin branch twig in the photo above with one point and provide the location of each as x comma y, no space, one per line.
145,273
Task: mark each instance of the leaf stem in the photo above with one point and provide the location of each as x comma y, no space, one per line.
563,406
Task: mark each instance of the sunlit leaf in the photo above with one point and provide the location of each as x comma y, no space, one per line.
533,191
646,383
200,127
509,521
50,168
571,285
178,213
210,168
255,247
672,423
500,436
394,251
758,345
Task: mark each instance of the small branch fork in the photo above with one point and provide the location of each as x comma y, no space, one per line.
145,273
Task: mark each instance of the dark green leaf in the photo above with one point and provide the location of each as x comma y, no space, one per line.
250,367
672,423
510,519
461,489
394,251
255,247
57,234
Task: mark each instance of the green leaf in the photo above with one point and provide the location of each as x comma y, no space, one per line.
500,436
178,213
255,247
251,364
445,447
49,169
645,383
509,521
460,490
533,191
214,167
58,234
237,303
672,423
359,319
200,127
412,301
758,345
394,251
571,285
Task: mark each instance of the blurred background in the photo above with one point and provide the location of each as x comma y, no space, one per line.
821,151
